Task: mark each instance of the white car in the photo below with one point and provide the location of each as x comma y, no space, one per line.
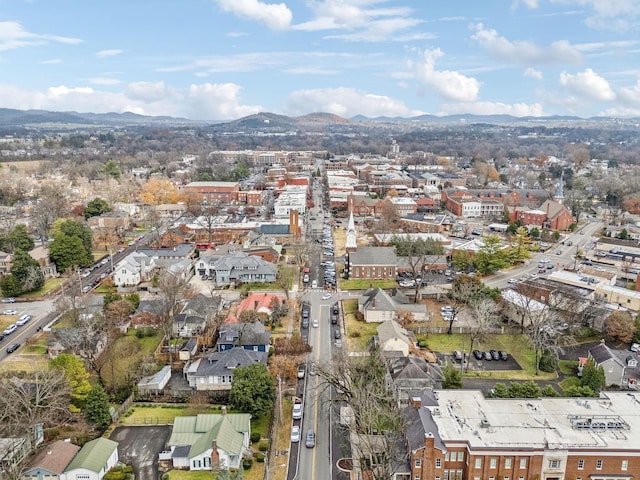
23,320
10,312
295,434
297,411
326,296
10,329
512,281
315,323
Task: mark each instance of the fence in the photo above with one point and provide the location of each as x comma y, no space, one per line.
464,329
122,408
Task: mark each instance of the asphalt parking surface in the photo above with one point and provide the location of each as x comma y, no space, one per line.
140,446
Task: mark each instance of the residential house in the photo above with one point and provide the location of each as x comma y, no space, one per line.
375,263
242,268
614,367
193,317
215,371
465,436
51,461
148,314
252,336
188,350
410,376
378,306
5,263
260,302
93,460
116,223
133,269
206,441
13,450
41,255
393,338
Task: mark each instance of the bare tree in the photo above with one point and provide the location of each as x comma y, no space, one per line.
419,256
484,319
376,426
464,290
170,287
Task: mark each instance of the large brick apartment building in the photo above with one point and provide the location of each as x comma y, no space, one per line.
214,192
460,435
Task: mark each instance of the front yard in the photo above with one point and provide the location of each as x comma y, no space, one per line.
365,284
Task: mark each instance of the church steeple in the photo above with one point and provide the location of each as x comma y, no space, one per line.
351,244
559,196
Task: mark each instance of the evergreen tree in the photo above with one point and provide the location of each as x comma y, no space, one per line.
252,390
592,376
452,377
97,408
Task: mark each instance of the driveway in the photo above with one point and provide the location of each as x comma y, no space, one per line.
140,446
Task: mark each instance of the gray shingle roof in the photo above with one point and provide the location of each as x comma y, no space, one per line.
373,256
223,363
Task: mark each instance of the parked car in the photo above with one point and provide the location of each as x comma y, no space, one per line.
512,281
295,434
297,411
10,312
457,355
9,300
486,355
10,329
477,354
13,347
503,355
494,355
337,334
301,370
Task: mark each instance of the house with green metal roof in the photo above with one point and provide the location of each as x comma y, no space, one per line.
198,442
93,460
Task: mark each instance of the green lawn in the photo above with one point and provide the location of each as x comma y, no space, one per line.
515,345
261,424
364,284
48,286
359,334
143,414
187,475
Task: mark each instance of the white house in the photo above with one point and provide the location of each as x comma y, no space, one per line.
393,338
93,460
133,269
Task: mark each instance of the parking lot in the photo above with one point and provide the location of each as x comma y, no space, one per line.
140,446
472,364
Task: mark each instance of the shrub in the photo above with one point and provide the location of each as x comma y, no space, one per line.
355,334
247,463
422,344
548,362
260,457
255,437
263,446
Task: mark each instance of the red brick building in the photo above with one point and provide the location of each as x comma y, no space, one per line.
460,435
214,192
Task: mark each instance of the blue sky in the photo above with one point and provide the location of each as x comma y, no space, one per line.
224,59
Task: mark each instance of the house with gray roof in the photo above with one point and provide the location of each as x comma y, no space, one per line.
93,460
393,338
614,368
375,263
241,267
215,371
208,440
378,306
410,376
252,336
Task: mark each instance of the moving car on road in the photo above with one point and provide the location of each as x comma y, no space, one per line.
13,347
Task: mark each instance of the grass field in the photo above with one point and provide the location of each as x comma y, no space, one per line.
187,475
359,334
364,284
124,354
48,286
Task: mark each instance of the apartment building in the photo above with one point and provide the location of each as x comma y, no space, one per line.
214,192
460,435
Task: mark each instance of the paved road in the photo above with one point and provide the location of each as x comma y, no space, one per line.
42,312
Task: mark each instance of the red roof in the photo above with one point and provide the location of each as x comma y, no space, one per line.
425,201
257,301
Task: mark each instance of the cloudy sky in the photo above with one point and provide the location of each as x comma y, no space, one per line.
224,59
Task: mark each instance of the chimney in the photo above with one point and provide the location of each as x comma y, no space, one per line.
373,303
255,304
416,402
215,456
223,410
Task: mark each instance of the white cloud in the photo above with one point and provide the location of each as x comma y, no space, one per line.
631,95
13,35
108,53
533,73
311,70
198,102
450,84
363,21
346,102
493,108
588,85
275,16
525,52
615,15
532,4
218,101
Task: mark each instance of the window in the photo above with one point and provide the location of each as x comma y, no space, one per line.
625,464
599,465
523,463
446,475
578,478
507,463
416,477
446,456
478,463
555,464
520,478
492,478
459,474
460,456
492,463
580,464
438,463
437,477
418,462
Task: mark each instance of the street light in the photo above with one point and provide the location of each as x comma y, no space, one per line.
268,469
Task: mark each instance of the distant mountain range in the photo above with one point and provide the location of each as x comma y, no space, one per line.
263,121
